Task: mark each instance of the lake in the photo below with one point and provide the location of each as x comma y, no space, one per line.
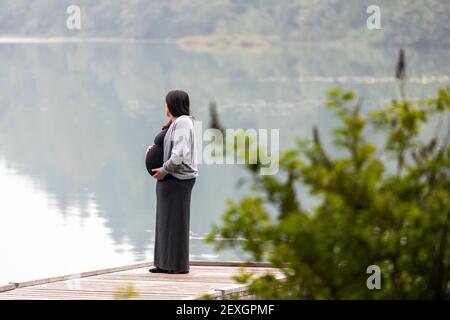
76,119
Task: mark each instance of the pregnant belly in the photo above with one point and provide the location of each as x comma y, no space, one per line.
154,159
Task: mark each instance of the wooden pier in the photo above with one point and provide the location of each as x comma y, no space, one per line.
205,277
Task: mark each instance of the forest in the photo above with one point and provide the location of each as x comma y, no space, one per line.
403,22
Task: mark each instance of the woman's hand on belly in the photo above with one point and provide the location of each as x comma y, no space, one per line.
159,174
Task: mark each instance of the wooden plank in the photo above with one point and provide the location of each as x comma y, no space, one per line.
215,279
82,296
135,266
222,293
105,285
205,271
229,263
79,275
219,277
7,287
160,286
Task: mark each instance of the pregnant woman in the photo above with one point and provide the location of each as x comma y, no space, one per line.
172,161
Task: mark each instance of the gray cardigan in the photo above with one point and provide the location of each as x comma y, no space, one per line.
179,155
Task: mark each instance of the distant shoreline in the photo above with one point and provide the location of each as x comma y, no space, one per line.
57,40
210,43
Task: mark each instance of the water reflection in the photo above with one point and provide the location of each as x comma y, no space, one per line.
75,120
34,234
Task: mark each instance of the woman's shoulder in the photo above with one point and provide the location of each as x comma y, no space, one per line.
184,121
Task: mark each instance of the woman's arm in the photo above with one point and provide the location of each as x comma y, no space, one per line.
181,148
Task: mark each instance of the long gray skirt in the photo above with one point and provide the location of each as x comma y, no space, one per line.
173,204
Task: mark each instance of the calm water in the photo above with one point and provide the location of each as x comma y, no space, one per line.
75,121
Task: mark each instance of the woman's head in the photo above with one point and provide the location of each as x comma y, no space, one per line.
177,103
